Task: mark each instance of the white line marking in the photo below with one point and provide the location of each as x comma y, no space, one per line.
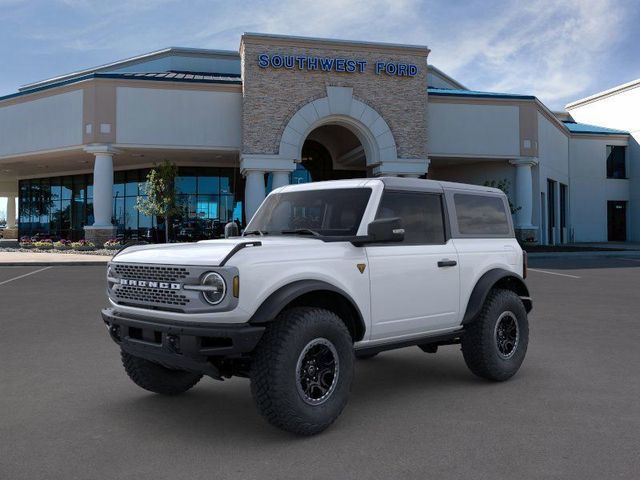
25,275
632,259
552,273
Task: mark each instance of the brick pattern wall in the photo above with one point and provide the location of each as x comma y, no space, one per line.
271,96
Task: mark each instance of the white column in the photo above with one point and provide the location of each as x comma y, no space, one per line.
524,192
253,167
254,192
103,190
280,179
11,211
402,167
102,185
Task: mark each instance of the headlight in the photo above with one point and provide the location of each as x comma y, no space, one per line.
215,288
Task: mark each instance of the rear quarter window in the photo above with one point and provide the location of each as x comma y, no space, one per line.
481,215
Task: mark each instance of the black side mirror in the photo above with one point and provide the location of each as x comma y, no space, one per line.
383,230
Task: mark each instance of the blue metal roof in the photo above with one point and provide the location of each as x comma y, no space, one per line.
158,77
592,129
450,92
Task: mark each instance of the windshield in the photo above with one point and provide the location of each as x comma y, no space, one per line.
331,212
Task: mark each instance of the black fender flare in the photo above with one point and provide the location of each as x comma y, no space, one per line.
492,278
278,300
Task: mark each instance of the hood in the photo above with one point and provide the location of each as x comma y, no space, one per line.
205,253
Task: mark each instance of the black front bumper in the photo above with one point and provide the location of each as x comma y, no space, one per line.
193,347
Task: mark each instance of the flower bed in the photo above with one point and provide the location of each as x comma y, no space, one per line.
83,246
43,244
113,244
62,245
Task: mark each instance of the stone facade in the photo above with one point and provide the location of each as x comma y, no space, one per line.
271,96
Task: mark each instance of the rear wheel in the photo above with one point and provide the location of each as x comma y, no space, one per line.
302,370
495,344
156,378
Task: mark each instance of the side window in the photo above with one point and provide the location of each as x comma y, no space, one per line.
421,215
481,215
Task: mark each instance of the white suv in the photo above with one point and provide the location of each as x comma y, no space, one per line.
323,274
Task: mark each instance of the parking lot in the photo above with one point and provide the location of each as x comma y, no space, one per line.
67,409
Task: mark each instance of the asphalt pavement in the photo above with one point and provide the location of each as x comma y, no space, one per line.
68,411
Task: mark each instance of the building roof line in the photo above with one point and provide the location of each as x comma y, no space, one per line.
452,92
129,61
565,126
604,93
333,41
447,77
589,129
157,77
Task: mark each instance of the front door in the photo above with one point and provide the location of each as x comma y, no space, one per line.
415,284
617,221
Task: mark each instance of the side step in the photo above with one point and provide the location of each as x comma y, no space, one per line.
427,343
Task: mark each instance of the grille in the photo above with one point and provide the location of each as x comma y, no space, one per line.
159,298
151,295
149,272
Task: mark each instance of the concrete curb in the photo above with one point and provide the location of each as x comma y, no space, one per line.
624,253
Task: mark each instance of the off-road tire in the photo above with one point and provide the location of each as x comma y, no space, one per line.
479,342
275,376
156,378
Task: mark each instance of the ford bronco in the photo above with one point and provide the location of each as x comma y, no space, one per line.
323,274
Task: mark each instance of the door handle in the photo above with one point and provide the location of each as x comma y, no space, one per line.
447,263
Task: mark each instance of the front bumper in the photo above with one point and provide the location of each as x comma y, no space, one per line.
187,346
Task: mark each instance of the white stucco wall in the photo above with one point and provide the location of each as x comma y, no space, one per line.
43,124
465,129
621,111
553,164
590,189
186,118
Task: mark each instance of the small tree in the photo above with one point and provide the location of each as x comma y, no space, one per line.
503,185
160,191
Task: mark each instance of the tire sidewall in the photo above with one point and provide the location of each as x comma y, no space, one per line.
508,302
334,404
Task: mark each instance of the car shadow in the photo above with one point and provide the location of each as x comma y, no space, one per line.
226,409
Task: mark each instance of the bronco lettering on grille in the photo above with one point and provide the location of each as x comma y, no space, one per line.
150,284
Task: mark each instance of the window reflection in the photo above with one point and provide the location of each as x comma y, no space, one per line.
60,207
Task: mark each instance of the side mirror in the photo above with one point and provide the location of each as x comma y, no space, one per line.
384,230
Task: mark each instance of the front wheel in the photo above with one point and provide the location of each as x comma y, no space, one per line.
495,344
302,370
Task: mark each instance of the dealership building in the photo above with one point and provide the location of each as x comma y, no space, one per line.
75,149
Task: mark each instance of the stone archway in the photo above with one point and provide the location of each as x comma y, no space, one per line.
340,108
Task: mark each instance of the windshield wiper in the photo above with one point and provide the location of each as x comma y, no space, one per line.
255,232
301,231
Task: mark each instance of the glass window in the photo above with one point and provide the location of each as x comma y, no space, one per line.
616,161
89,186
210,185
334,212
118,184
67,188
481,215
131,185
420,213
131,214
79,188
187,180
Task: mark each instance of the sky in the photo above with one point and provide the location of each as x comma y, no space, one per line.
558,50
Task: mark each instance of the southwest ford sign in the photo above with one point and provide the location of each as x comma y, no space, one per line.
331,64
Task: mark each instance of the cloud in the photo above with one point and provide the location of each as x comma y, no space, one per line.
542,47
558,51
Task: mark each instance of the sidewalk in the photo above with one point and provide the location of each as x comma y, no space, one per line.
37,259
